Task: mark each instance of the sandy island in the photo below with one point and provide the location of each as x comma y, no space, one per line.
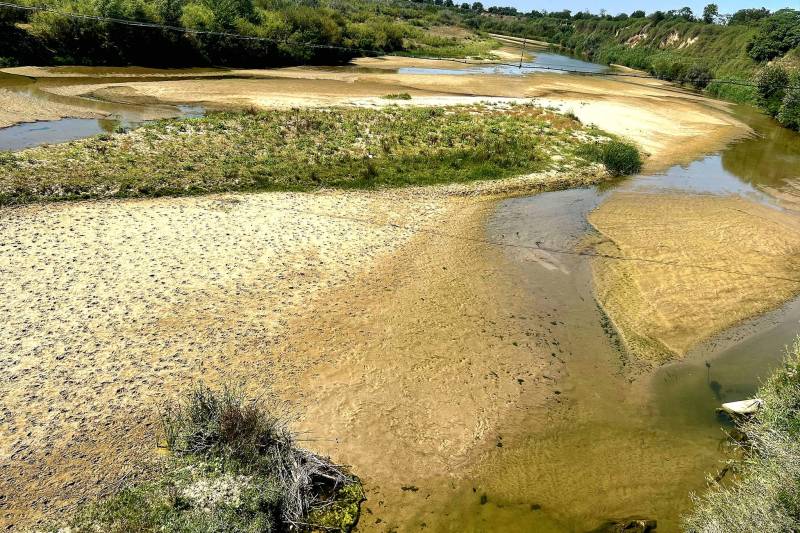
691,266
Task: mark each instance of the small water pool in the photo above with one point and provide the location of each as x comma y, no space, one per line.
542,62
30,134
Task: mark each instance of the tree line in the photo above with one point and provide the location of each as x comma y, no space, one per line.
290,32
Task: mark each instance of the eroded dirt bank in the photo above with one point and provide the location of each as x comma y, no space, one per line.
691,266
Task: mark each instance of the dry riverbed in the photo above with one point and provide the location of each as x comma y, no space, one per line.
644,111
383,315
112,305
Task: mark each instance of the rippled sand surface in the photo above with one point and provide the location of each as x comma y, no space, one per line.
711,262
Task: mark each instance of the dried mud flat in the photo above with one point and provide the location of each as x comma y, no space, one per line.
711,262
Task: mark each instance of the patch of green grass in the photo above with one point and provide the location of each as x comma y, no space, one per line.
235,467
734,90
303,150
472,46
397,96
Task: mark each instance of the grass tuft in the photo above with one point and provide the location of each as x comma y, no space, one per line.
619,158
236,466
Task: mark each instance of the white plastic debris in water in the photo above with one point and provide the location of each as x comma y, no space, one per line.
743,407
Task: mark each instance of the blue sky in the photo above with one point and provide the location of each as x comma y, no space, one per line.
617,6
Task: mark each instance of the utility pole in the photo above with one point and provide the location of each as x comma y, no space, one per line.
522,53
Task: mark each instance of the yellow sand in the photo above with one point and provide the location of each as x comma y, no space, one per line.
107,305
711,262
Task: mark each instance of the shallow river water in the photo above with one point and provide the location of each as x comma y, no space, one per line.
118,115
626,444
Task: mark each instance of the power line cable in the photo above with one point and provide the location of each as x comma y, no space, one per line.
538,247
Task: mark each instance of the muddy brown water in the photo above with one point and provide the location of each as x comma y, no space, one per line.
619,442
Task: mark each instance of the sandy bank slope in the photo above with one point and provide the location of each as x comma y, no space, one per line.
711,262
16,108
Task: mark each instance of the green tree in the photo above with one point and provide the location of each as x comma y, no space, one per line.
197,16
685,13
638,14
779,34
746,16
772,82
710,13
477,6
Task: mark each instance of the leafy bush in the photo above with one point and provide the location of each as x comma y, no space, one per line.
748,16
331,26
771,82
699,76
619,158
778,34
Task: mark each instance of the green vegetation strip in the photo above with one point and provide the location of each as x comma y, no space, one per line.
765,493
308,149
234,466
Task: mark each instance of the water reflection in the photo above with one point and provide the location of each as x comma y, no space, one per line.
770,160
